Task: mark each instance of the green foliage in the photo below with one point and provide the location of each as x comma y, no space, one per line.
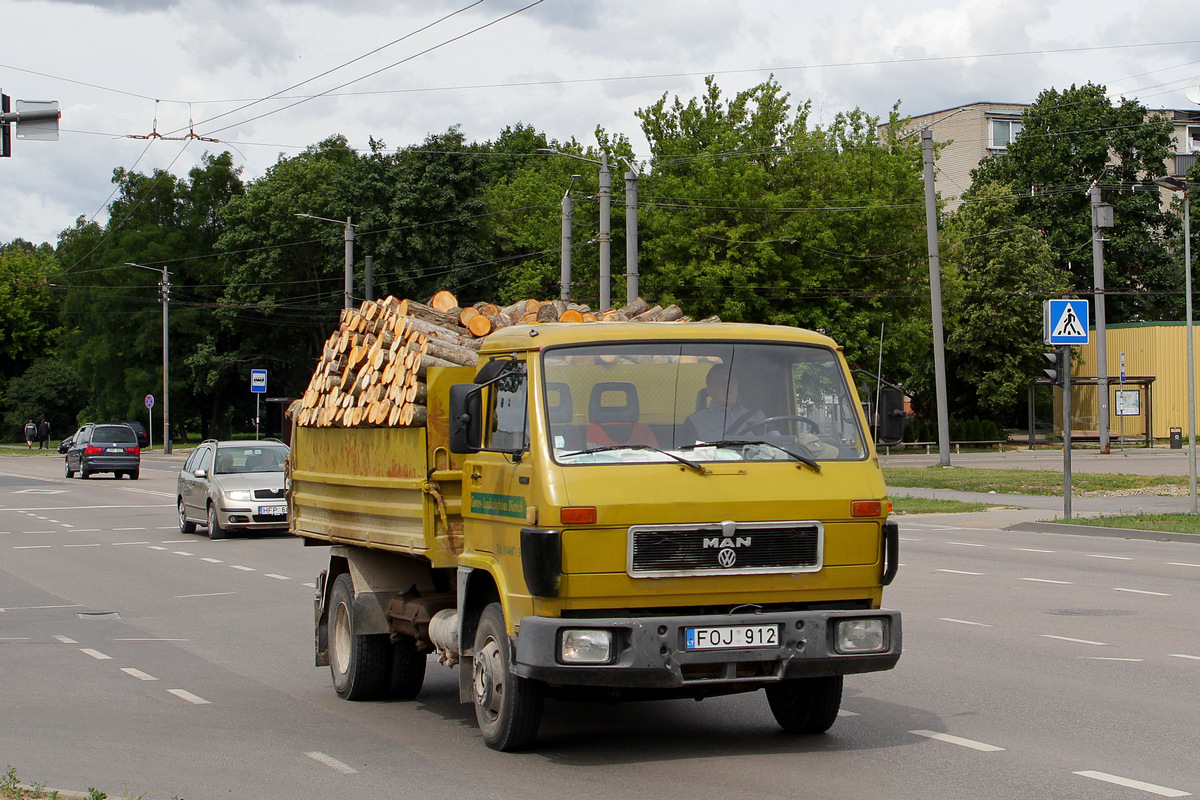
28,318
49,389
1071,139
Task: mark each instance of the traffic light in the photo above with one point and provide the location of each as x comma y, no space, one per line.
1055,368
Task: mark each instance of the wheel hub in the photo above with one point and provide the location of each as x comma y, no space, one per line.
489,685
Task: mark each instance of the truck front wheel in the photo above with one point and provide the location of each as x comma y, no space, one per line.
508,707
360,663
808,705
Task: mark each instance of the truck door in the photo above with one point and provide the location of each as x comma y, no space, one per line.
498,477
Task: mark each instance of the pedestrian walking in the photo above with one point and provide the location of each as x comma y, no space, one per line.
43,432
30,434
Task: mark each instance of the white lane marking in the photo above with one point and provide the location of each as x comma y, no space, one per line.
1184,655
65,640
1141,591
1033,550
844,713
129,529
184,694
1182,564
957,572
119,544
81,545
151,640
332,763
908,539
1108,658
213,560
1045,580
310,585
87,530
1114,558
1077,641
65,525
967,544
244,569
175,541
38,608
149,491
14,638
39,531
210,594
965,622
167,528
96,654
137,673
278,577
181,553
32,547
156,547
958,740
1130,783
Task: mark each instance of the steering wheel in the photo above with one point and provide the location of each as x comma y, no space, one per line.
746,427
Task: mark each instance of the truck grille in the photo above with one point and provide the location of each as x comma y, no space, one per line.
726,548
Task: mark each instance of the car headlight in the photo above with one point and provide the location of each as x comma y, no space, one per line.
238,494
861,635
586,647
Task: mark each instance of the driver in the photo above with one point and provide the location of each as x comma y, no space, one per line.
725,414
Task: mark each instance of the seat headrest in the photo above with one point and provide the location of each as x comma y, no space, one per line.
614,401
558,402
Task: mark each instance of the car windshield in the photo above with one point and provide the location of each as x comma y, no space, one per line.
113,434
249,458
702,402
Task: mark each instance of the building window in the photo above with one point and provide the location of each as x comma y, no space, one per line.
1003,131
1191,142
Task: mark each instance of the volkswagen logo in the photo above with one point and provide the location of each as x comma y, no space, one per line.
726,557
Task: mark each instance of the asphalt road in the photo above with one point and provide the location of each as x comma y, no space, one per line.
1036,665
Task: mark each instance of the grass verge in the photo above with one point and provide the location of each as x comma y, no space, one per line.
1168,523
1017,481
925,505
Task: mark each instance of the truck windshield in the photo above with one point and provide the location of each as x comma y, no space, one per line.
660,402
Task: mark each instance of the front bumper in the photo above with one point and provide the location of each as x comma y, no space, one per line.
651,652
246,518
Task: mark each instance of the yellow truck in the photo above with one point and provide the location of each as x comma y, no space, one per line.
613,511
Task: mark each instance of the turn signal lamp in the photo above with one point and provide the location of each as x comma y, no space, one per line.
866,508
579,515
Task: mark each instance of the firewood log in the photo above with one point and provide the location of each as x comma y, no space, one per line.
443,301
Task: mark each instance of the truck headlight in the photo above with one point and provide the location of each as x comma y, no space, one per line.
586,647
861,635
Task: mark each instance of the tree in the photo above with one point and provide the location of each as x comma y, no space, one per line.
1070,140
997,267
48,389
28,307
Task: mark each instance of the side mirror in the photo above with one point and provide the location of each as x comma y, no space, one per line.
891,416
200,473
466,417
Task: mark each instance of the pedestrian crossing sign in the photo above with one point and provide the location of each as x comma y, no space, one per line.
1065,322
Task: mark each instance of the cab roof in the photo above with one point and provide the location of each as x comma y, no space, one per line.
536,337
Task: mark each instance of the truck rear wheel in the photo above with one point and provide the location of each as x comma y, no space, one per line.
807,705
360,663
408,670
508,707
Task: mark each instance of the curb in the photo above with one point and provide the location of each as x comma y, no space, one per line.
1095,530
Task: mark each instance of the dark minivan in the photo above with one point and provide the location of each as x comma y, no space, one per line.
104,448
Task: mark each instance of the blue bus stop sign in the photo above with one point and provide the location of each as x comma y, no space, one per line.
258,381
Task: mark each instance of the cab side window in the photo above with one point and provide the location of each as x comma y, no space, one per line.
509,428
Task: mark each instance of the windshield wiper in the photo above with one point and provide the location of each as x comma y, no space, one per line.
691,464
803,459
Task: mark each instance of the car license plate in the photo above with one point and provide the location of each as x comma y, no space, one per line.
115,450
732,636
272,511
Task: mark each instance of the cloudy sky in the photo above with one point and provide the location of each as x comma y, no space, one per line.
399,70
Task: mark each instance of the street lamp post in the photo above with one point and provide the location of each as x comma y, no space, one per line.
1180,185
349,255
164,289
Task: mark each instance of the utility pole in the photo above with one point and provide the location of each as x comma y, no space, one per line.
605,235
348,293
935,300
164,293
631,232
1102,217
568,218
369,278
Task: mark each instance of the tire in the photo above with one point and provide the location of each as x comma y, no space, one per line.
215,531
507,707
70,472
133,474
185,526
360,663
408,670
807,705
84,474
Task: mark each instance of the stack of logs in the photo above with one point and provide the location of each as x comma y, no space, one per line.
372,370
